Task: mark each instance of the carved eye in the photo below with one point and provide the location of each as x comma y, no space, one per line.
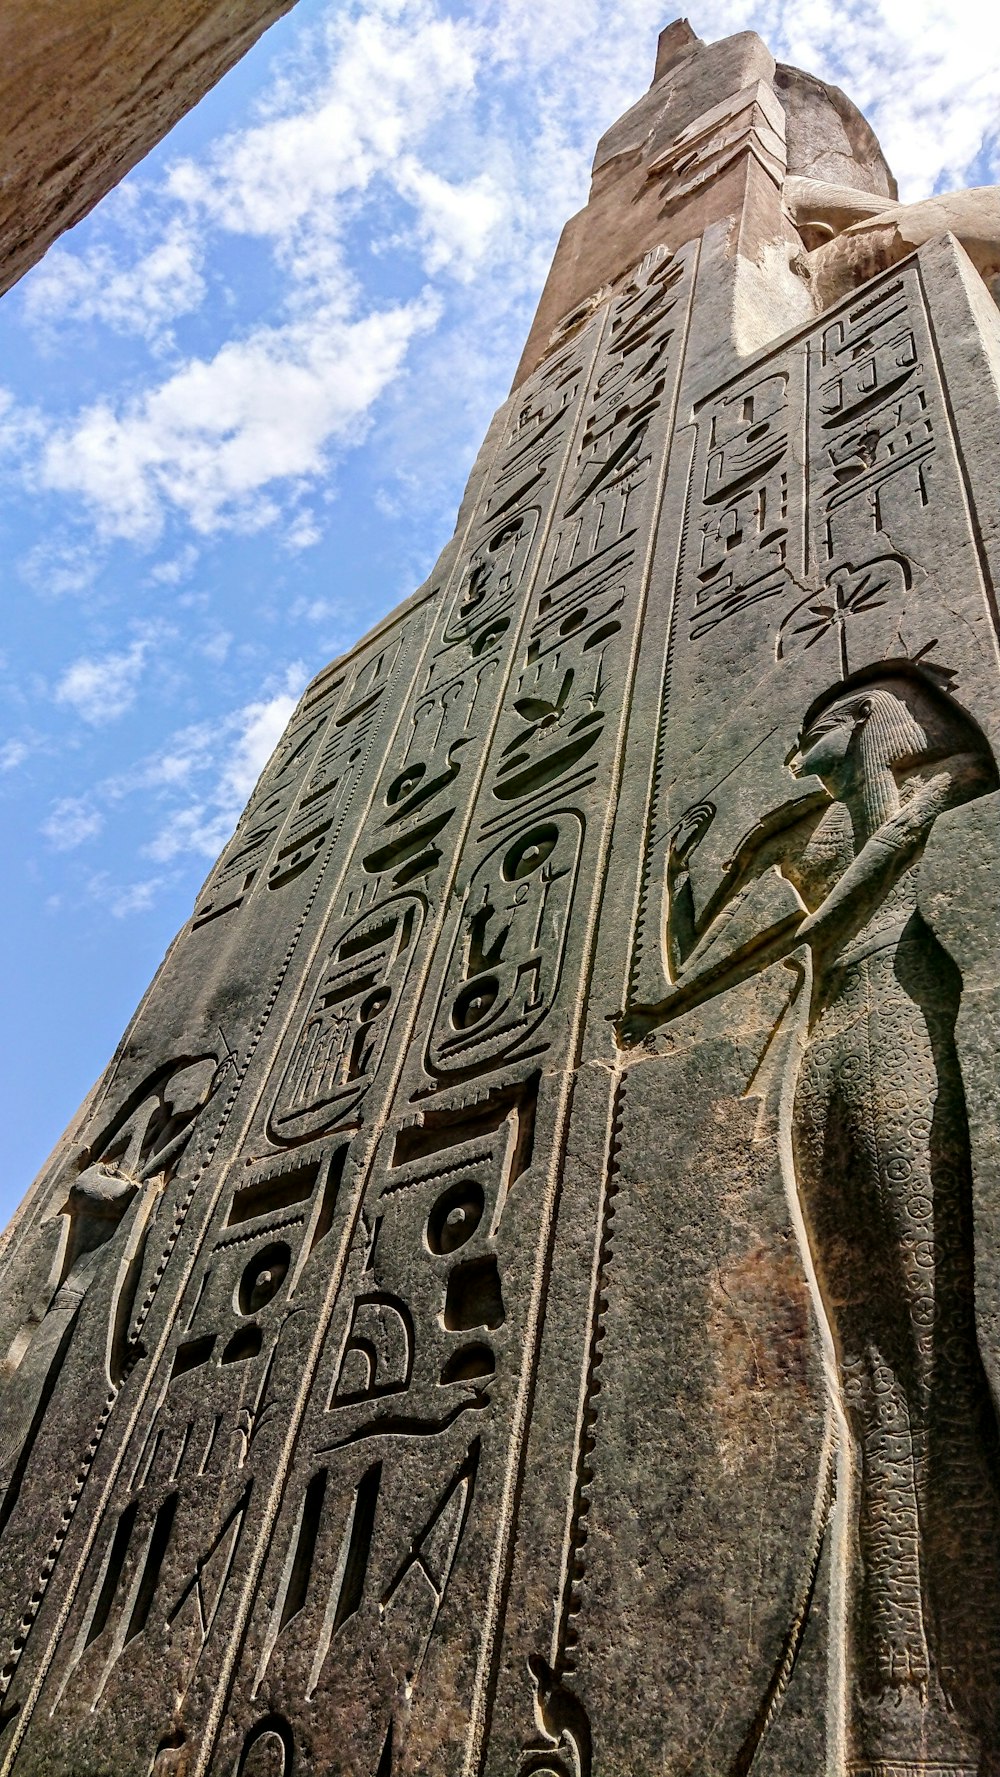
474,1002
530,852
490,635
263,1277
404,783
374,1004
455,1217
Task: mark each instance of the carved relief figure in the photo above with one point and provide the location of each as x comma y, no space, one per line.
881,1161
131,1162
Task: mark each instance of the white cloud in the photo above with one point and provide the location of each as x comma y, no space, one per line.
211,438
218,439
12,754
100,690
375,84
123,898
217,646
58,569
219,764
317,610
72,822
262,725
303,532
454,222
176,568
191,794
139,298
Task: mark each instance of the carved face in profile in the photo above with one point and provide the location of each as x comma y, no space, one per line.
880,725
823,748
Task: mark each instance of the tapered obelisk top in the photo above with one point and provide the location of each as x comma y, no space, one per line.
710,145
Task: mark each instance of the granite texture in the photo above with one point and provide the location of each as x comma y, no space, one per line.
524,1298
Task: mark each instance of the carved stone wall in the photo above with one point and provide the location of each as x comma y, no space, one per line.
87,87
524,1298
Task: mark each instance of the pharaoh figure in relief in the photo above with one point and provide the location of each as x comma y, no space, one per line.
524,1299
880,1162
107,1205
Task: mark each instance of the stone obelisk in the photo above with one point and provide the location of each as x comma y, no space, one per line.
524,1299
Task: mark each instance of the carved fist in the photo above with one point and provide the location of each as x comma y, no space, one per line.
690,830
101,1192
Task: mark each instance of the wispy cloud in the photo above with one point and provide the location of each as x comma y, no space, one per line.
123,898
58,569
303,532
260,727
175,568
101,689
72,821
186,797
205,773
143,297
12,754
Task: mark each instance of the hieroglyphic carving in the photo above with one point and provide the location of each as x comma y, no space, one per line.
407,844
113,1188
530,837
406,1418
430,1330
291,812
238,1345
165,1255
505,978
813,590
877,422
880,1152
739,541
345,1033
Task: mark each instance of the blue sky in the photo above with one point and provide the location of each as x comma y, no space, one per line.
238,404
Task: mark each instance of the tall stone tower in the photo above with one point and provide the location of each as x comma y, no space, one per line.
524,1299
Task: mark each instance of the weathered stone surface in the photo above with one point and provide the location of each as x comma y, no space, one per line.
872,243
524,1298
87,88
